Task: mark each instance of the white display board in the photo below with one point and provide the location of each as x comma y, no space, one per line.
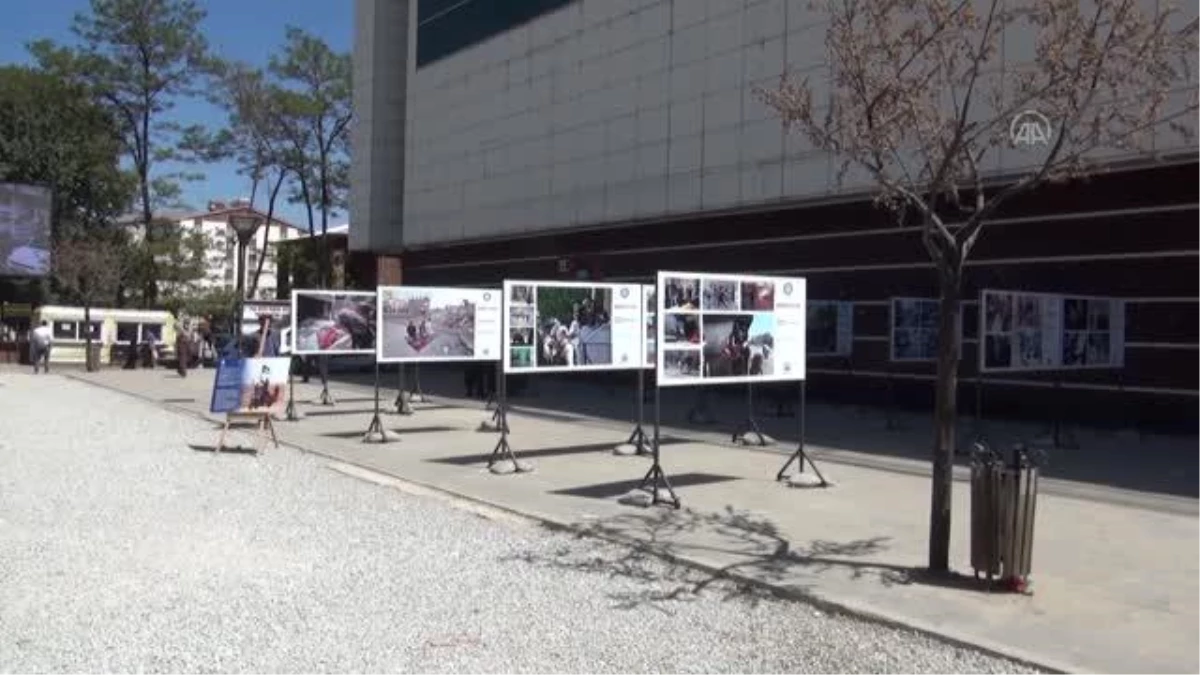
1022,331
913,330
726,328
830,328
650,322
333,322
417,323
561,326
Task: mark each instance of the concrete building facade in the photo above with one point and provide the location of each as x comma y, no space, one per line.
595,138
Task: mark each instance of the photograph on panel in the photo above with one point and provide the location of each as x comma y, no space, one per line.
427,322
24,230
914,329
330,321
575,326
719,295
738,344
681,294
823,324
758,296
650,323
681,363
681,329
521,294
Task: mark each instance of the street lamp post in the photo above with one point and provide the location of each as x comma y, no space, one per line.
244,225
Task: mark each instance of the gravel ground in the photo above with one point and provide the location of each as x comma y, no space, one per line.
122,549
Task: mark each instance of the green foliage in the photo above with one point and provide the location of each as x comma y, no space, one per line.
138,58
53,133
90,264
219,303
558,302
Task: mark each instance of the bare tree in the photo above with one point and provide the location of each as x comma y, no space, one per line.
89,267
922,98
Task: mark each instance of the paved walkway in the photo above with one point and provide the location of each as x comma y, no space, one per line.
1116,585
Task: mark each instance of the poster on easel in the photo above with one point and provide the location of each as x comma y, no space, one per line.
830,328
914,327
330,323
250,386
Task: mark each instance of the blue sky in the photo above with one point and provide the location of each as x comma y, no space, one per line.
244,30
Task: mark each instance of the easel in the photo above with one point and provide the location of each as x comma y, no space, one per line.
402,404
262,422
891,423
326,398
261,418
375,432
750,426
499,399
1062,438
503,449
800,456
638,438
655,482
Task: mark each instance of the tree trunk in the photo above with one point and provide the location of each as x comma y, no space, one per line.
945,416
150,290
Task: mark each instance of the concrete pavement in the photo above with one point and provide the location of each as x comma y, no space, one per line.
1115,581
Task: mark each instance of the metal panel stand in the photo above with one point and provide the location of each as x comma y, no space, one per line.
503,449
326,398
742,434
655,481
638,438
699,412
375,432
800,456
416,395
891,423
1062,438
290,413
402,405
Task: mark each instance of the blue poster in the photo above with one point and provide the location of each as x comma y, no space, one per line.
227,387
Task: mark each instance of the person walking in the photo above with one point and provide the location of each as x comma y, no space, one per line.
183,347
40,341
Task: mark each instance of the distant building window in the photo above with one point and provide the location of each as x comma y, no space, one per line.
445,27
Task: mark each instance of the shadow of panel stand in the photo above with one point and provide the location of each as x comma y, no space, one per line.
800,457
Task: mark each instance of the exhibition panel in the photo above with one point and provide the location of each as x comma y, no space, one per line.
438,324
333,322
722,328
565,326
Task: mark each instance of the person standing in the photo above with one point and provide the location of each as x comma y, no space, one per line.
40,340
183,348
268,337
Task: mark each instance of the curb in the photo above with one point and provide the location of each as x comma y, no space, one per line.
846,608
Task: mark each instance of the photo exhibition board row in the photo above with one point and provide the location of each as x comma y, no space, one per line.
548,326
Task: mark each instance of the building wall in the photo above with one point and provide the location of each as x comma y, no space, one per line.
607,111
1129,234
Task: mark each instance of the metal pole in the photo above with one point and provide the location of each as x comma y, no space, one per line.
241,293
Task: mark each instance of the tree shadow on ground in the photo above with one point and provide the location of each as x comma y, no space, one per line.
656,547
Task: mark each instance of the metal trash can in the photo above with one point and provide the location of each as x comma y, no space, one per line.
1003,509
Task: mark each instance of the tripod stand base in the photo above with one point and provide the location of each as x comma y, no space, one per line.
503,461
402,405
377,434
325,398
291,413
659,488
638,444
802,478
